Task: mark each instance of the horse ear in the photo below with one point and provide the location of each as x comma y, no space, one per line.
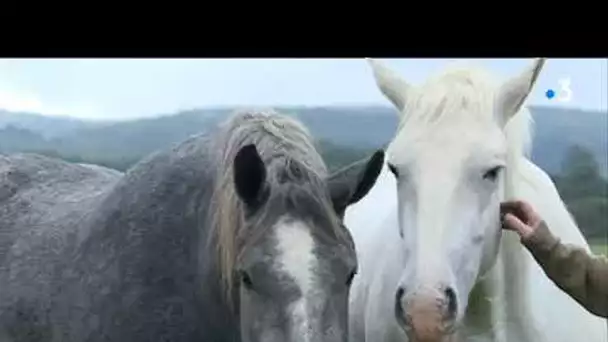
350,184
513,93
249,174
394,88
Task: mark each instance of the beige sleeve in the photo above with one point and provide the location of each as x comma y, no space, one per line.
581,275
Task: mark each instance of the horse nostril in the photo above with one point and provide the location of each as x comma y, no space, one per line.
400,292
399,310
450,296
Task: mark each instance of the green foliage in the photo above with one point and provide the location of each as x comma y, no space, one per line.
599,246
556,129
120,163
585,191
336,156
569,144
591,214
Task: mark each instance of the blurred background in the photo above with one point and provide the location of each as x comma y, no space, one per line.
113,112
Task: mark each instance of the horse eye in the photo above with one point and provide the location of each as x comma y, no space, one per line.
492,173
246,279
350,278
393,170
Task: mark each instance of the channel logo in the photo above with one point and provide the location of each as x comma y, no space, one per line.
563,93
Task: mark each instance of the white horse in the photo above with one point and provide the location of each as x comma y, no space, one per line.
433,265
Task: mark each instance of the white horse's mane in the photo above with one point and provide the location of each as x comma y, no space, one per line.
463,84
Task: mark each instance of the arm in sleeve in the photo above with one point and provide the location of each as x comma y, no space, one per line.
581,275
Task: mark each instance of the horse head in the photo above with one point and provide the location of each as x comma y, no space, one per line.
450,158
293,260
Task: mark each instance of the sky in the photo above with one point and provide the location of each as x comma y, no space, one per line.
121,89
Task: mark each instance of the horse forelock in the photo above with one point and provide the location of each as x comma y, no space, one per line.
462,96
295,171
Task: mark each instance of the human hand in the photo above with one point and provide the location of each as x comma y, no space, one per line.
519,216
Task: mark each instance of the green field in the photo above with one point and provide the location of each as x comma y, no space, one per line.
599,246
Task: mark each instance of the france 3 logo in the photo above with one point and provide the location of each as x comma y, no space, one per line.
563,92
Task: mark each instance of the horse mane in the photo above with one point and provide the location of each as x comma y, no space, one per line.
288,152
464,85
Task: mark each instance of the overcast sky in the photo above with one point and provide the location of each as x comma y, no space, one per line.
132,88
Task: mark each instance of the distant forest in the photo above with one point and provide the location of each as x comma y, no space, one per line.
580,184
585,192
570,145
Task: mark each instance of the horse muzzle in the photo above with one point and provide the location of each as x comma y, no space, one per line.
427,315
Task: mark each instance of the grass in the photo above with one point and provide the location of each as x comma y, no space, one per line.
599,246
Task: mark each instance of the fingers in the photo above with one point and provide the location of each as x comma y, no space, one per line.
522,210
513,223
511,207
526,209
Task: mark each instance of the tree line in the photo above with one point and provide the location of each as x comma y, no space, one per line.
584,191
580,183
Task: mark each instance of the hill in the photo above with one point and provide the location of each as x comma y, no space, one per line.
559,129
47,126
570,144
344,128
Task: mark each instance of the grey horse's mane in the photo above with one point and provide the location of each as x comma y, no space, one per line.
288,152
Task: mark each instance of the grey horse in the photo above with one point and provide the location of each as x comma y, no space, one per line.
236,235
